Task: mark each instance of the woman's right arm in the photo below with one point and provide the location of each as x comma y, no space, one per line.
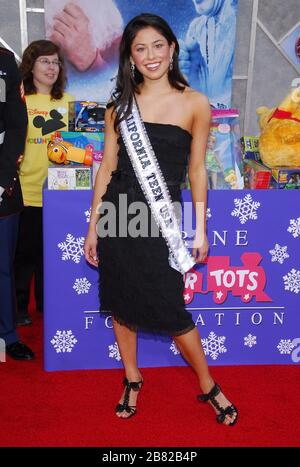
108,164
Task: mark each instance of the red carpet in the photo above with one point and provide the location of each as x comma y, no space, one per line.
76,408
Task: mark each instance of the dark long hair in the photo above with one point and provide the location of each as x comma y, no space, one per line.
35,50
127,85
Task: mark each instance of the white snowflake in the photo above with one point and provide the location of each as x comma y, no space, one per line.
213,345
208,213
245,209
63,341
72,248
250,340
82,285
88,215
292,281
114,351
294,227
174,348
285,346
279,253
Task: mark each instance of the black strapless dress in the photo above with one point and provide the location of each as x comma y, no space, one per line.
138,287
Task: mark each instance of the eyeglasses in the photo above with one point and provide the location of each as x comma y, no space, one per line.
46,62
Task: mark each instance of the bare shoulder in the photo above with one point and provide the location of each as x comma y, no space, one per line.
199,103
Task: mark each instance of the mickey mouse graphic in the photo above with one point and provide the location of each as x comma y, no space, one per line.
48,126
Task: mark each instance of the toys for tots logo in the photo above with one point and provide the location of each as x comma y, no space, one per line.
245,281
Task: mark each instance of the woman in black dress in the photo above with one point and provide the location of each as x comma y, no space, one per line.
140,286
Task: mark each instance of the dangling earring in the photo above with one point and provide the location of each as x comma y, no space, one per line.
132,69
171,64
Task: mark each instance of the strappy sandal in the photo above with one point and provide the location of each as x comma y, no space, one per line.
130,409
229,410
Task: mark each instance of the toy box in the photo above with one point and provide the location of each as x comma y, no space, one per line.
284,186
69,177
80,140
287,175
250,148
224,163
97,159
86,116
256,175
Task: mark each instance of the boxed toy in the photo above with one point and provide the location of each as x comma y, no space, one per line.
224,163
80,140
250,148
256,175
97,159
284,186
286,175
86,116
70,177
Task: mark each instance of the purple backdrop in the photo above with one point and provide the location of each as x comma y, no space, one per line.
245,300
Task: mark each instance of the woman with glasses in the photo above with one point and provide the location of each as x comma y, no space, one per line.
43,74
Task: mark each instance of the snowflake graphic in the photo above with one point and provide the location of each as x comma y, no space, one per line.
213,345
174,348
114,351
72,248
294,227
292,281
285,346
63,341
245,209
82,285
88,215
250,340
279,253
208,213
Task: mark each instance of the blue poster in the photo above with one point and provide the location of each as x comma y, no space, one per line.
291,45
244,299
89,34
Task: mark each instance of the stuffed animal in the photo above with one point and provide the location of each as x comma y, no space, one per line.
279,142
64,153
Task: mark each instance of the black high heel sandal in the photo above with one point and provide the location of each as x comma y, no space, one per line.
130,409
229,410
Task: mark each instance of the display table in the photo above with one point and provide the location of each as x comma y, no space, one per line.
245,300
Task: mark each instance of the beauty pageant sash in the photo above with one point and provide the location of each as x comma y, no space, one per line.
153,184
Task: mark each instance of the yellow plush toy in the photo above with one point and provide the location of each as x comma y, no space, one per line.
279,142
64,153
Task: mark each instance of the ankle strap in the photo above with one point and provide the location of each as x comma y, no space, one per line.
135,385
212,393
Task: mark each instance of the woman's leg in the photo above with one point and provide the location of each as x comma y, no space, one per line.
191,349
127,343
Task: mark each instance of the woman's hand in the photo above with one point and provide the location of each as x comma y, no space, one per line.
90,247
200,248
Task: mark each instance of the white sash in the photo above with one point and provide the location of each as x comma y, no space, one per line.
153,184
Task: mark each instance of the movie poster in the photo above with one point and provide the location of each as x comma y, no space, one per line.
291,45
89,33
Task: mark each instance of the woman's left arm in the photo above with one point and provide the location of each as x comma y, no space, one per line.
197,172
